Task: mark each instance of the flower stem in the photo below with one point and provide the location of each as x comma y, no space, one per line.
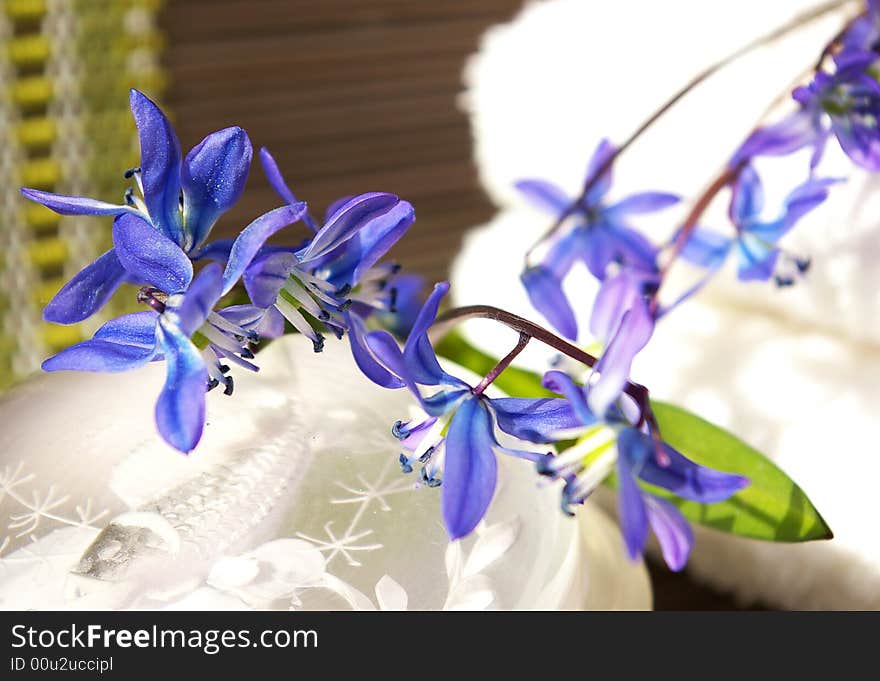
800,20
636,391
521,344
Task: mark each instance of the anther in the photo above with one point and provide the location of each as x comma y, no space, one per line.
230,386
344,291
224,368
212,383
345,305
405,465
129,197
429,480
318,344
424,458
246,353
131,172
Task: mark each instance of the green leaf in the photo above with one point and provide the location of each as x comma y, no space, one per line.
772,507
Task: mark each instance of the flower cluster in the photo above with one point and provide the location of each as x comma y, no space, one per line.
160,235
335,282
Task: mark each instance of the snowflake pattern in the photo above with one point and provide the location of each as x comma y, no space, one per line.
40,509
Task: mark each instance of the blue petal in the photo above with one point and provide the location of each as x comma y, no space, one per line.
406,308
364,359
470,469
74,205
136,329
266,275
160,166
267,322
385,348
615,297
630,247
180,409
346,221
418,353
149,256
757,258
798,203
98,355
199,299
547,297
673,532
687,479
119,345
604,151
636,328
276,181
378,235
798,130
217,250
213,177
252,238
631,505
535,419
705,248
747,199
87,292
597,249
644,202
561,383
545,196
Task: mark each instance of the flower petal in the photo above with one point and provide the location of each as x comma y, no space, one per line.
673,532
137,329
535,419
74,205
87,291
545,293
615,297
149,256
604,151
119,345
470,468
418,353
252,238
614,366
180,409
213,176
377,236
364,358
705,248
561,383
545,196
265,276
630,504
757,258
643,202
346,222
747,197
687,479
160,166
276,181
199,299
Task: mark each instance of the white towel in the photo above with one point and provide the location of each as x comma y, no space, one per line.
794,372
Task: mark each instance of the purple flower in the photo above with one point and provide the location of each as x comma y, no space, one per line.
845,103
756,240
863,34
601,235
636,453
458,436
335,279
166,331
179,198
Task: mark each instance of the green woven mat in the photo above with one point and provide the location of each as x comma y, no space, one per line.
65,70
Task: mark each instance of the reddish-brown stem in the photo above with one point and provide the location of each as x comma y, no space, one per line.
636,391
521,344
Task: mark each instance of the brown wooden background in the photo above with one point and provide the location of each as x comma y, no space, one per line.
351,96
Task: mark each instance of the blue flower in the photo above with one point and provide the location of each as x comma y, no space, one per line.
864,33
845,103
458,435
620,443
601,235
756,240
335,278
165,332
180,199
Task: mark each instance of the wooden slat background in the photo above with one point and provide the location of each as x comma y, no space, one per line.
352,96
